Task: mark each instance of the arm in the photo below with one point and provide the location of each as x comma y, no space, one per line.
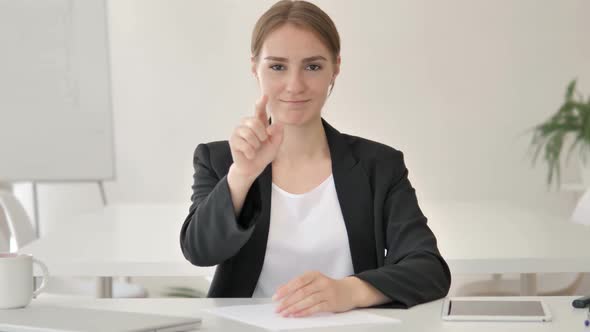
215,229
239,186
414,271
224,210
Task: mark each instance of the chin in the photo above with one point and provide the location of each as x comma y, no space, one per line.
294,117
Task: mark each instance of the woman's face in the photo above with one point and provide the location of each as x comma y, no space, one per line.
294,70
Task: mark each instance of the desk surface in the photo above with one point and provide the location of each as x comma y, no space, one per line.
143,240
497,237
421,318
134,240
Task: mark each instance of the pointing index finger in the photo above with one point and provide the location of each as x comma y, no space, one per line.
261,110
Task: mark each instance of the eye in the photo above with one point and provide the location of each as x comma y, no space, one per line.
315,67
277,67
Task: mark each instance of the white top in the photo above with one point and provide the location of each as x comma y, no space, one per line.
306,233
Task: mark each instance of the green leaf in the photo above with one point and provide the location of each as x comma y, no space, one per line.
574,145
572,118
570,90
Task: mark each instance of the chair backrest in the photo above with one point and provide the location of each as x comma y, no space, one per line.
17,219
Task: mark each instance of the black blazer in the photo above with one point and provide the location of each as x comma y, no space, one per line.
392,247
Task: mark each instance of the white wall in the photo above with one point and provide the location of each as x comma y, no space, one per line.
453,84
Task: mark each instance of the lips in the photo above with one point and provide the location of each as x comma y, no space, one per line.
295,101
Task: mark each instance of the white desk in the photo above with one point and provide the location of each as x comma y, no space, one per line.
481,238
134,240
421,318
474,238
495,237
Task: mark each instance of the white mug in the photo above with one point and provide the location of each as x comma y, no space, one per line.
16,280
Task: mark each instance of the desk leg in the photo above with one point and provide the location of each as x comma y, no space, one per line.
104,287
528,284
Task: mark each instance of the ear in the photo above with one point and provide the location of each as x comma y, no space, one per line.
254,66
337,66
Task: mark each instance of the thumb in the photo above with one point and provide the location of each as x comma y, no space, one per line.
276,132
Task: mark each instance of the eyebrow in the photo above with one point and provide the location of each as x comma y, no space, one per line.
310,59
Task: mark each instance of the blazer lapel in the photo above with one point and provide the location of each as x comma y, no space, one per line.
355,198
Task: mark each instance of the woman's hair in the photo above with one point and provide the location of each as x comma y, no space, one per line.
302,14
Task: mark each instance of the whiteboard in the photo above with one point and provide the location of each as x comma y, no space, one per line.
55,96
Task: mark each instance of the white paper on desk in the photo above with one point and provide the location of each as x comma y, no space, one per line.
263,315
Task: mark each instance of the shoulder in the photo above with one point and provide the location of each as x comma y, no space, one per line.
214,155
383,164
216,148
370,152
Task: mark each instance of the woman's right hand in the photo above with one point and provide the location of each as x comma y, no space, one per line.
254,144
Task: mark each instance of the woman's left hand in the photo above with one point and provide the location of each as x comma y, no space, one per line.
314,292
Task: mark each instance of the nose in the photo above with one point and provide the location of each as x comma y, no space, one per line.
295,82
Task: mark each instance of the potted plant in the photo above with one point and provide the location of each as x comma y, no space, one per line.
569,127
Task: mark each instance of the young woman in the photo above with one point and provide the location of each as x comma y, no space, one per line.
291,208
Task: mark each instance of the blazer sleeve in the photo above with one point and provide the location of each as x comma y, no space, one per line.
414,271
212,233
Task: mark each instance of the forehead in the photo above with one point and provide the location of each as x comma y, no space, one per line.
293,42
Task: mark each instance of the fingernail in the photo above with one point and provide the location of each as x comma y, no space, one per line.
274,297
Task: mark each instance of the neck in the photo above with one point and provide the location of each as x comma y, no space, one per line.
302,144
